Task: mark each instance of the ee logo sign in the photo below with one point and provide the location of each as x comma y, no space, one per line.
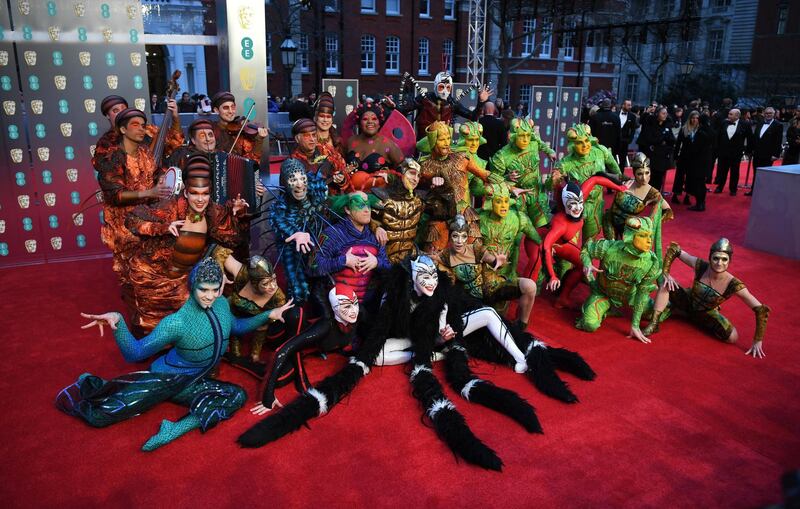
247,48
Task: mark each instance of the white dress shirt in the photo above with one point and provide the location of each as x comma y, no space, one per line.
732,129
764,128
623,117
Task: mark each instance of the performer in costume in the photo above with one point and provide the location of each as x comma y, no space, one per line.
175,235
453,171
563,239
585,159
469,263
397,214
128,176
440,105
469,141
348,250
502,227
420,304
249,145
632,202
329,145
627,275
712,286
296,218
370,153
198,333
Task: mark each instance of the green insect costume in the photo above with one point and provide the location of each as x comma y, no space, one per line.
629,275
521,155
502,234
580,167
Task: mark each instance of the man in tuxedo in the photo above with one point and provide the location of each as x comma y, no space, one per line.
605,127
628,122
493,130
767,141
731,141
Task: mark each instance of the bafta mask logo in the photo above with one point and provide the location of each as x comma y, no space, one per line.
98,196
332,90
131,10
24,201
66,129
50,199
43,153
10,107
37,106
247,78
575,111
55,242
79,8
89,105
136,59
348,108
538,96
92,148
54,32
85,58
112,80
549,112
16,155
565,97
30,58
61,81
30,246
3,58
2,226
24,7
245,17
107,34
77,219
563,127
139,103
72,174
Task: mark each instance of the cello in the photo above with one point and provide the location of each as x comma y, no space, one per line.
172,176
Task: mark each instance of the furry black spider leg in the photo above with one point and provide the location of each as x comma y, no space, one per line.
571,362
448,422
482,392
541,371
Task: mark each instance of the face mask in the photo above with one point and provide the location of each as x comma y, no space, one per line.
425,276
344,303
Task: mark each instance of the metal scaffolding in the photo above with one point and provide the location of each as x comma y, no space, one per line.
476,41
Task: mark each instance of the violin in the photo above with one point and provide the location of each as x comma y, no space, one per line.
241,123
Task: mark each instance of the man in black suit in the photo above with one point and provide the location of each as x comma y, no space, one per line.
628,122
731,140
605,127
493,130
767,142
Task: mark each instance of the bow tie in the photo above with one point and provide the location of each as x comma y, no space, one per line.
731,123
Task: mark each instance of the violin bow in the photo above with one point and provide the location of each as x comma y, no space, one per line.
244,123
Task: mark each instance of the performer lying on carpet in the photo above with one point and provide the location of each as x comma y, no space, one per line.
712,286
199,333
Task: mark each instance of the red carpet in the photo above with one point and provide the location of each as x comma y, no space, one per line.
684,422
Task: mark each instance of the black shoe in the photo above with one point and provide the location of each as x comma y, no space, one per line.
749,193
675,198
717,190
700,207
733,193
686,200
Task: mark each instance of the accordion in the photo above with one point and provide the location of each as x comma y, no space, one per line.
233,175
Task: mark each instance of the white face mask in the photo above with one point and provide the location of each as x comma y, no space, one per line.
443,84
345,307
425,276
573,203
298,184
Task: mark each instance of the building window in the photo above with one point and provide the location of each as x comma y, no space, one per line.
392,55
332,54
667,6
632,86
449,9
368,54
529,39
331,5
392,7
783,15
424,55
525,98
367,5
720,4
568,40
447,55
424,8
547,38
715,40
302,53
507,95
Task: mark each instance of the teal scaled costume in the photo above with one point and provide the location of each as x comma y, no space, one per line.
199,338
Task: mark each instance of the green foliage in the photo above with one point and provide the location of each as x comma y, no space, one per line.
709,87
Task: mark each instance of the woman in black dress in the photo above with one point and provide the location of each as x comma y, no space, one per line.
657,141
692,153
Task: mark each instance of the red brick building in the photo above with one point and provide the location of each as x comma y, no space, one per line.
775,66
